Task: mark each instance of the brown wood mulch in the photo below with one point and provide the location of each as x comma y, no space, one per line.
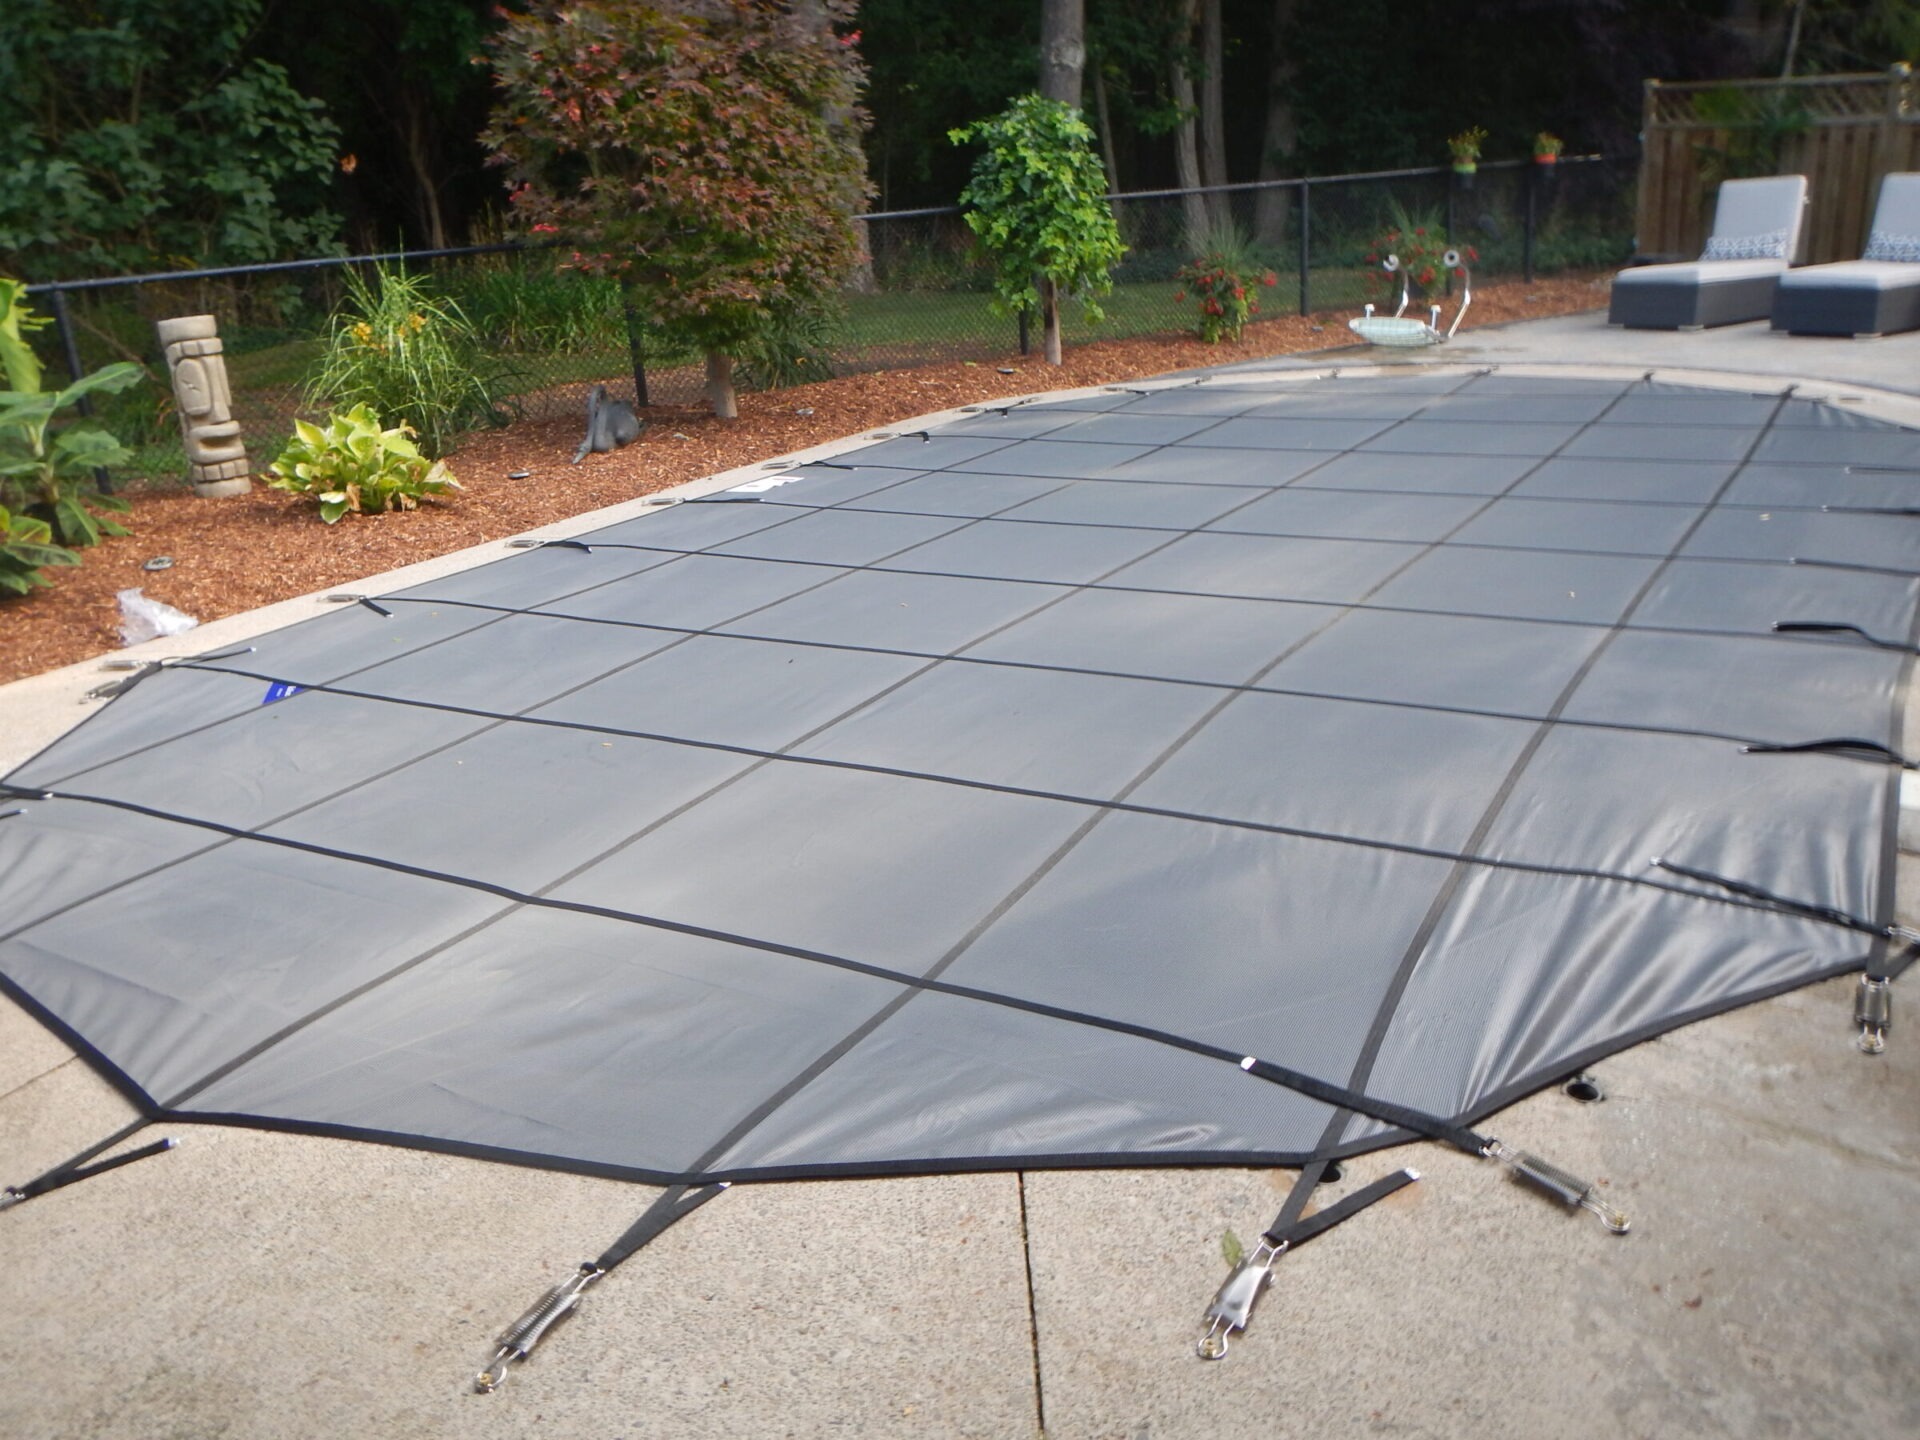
237,554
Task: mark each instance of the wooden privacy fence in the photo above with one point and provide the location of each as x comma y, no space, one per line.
1843,132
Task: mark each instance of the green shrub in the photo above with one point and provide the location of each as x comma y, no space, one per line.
354,464
26,546
47,473
412,356
526,305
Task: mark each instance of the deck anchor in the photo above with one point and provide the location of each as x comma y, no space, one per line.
1233,1303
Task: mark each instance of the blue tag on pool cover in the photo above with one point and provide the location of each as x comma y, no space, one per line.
280,690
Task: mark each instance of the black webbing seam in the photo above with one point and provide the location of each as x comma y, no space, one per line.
878,568
1299,1232
850,507
447,639
1385,1111
868,767
1004,663
1445,897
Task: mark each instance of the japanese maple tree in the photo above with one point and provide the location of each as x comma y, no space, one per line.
704,152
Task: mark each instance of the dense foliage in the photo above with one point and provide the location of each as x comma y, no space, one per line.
48,500
136,136
707,155
1037,204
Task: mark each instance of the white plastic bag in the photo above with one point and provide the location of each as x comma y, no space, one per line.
144,619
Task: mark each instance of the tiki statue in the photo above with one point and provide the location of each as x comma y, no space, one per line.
216,458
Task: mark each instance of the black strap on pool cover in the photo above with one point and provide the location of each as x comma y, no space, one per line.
674,1204
1851,747
1295,1235
1838,627
71,1171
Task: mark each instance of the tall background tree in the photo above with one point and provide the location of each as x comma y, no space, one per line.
706,154
400,80
136,135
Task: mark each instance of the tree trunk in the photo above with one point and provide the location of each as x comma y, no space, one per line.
1107,155
1213,116
720,386
1186,153
420,161
1050,310
1273,206
1063,49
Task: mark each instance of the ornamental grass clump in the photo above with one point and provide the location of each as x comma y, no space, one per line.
353,463
411,355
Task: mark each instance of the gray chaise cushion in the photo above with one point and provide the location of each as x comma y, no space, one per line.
1861,297
1756,220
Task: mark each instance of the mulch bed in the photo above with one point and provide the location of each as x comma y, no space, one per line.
234,555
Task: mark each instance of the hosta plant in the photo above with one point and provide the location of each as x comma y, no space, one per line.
352,463
26,547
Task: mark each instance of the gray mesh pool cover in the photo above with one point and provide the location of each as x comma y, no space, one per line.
979,799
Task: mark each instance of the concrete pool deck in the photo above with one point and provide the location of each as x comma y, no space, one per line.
258,1284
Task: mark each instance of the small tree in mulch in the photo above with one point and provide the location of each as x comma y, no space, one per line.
1037,205
704,153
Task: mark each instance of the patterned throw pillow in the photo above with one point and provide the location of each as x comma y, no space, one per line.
1770,246
1885,245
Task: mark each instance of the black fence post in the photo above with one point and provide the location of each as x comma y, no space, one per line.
1026,338
1306,250
1527,234
70,347
636,352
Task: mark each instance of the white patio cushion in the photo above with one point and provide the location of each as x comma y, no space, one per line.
1700,272
1853,275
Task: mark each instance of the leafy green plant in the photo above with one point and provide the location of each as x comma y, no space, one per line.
1037,205
1465,148
26,547
1547,145
47,471
352,463
411,355
1222,281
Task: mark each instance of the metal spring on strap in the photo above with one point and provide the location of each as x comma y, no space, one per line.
518,1340
1570,1190
1873,1013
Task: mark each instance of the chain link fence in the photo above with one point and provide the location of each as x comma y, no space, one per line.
552,333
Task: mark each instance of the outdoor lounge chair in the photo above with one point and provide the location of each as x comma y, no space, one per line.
1756,232
1878,294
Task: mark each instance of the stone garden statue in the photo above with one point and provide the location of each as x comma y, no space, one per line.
216,458
610,424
